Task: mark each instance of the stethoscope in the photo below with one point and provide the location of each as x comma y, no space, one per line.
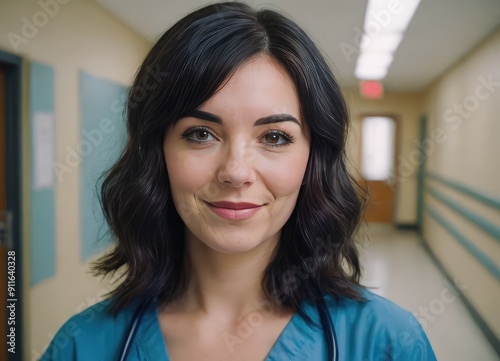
324,315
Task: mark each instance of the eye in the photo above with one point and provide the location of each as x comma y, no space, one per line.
277,138
198,135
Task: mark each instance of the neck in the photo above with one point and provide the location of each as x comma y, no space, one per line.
222,283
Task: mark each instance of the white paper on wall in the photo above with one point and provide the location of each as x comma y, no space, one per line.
43,146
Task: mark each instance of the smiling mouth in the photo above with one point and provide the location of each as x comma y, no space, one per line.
234,211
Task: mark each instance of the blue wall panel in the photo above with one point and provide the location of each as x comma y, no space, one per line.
42,207
102,137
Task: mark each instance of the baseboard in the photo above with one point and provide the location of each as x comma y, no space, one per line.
406,226
484,327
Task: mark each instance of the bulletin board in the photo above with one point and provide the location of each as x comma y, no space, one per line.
42,205
102,138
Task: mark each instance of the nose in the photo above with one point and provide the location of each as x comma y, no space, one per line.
237,167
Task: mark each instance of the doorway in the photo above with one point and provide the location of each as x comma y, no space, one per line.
11,319
378,146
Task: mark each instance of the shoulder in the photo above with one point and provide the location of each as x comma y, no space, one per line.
385,329
95,326
373,308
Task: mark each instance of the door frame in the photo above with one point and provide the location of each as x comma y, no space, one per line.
397,137
421,172
12,65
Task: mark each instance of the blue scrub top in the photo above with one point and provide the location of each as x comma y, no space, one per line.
375,329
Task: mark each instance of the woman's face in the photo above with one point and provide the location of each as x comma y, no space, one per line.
236,165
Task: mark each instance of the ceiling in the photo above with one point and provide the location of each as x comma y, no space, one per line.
441,31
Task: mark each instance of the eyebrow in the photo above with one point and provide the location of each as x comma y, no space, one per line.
270,119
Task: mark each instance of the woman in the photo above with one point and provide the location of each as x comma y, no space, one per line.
233,211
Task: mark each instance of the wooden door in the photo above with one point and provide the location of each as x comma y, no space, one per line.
378,144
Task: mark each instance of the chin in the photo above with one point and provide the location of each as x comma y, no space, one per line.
236,242
235,246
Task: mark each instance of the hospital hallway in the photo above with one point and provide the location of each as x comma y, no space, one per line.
398,267
420,80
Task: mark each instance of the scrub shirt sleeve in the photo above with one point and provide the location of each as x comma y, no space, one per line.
62,346
402,340
91,335
414,343
378,329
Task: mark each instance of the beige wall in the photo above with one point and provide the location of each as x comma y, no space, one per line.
406,109
79,36
467,113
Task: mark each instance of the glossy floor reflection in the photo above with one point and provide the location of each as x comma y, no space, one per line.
398,268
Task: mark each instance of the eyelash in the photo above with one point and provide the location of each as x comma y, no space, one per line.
191,131
287,137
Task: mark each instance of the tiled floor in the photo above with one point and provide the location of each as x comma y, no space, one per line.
401,270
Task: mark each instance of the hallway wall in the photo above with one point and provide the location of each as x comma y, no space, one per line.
462,197
78,35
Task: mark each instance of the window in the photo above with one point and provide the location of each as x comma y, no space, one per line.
377,148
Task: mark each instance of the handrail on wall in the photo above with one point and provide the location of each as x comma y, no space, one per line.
488,199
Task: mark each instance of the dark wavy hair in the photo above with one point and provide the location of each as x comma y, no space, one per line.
317,253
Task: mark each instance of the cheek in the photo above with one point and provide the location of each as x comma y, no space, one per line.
284,178
187,174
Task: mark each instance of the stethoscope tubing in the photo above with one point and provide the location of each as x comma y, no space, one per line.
329,329
134,326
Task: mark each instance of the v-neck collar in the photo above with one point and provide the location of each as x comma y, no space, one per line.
294,342
297,338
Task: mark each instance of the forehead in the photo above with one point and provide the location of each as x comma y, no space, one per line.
259,87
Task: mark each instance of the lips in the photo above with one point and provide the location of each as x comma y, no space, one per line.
234,211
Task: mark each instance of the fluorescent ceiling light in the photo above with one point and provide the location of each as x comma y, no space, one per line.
370,72
375,59
389,15
385,22
385,42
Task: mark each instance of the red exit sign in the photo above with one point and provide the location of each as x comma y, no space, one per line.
372,89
